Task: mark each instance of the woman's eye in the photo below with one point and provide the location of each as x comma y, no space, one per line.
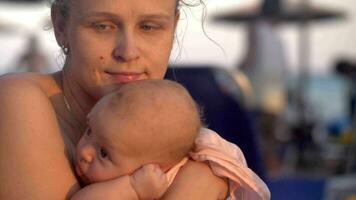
146,27
103,153
149,27
88,132
103,27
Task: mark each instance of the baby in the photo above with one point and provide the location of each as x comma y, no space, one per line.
138,138
134,135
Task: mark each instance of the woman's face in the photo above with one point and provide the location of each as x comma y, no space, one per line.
117,41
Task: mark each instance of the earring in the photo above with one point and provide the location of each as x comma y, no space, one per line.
65,49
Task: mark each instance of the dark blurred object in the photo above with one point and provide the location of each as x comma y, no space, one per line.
216,91
22,1
341,187
279,11
346,67
302,139
33,59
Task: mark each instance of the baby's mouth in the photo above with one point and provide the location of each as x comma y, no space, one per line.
78,170
81,175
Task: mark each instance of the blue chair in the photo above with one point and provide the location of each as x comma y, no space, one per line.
297,188
219,96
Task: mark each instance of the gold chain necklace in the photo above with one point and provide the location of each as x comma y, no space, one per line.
69,108
67,103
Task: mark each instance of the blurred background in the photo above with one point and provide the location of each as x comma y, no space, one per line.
276,77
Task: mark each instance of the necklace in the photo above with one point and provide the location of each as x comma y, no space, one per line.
67,103
77,125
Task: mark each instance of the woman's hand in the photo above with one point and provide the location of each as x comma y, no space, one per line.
196,181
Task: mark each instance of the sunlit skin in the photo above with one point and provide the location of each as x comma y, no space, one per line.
110,42
97,160
125,35
98,157
116,42
116,144
103,152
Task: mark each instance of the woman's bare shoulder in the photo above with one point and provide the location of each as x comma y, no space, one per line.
32,152
18,90
27,82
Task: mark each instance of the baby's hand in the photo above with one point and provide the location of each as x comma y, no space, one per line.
149,182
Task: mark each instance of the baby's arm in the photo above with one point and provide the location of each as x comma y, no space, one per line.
148,182
119,188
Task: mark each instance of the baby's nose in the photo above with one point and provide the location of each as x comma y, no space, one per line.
87,154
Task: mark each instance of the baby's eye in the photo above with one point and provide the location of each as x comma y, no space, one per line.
103,153
88,131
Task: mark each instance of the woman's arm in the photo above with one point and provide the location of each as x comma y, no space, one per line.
33,163
196,181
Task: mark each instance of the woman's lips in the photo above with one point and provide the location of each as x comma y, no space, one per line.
125,77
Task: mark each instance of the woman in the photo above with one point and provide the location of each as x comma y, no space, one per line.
107,43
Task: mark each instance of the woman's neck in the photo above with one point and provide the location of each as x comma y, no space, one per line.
77,102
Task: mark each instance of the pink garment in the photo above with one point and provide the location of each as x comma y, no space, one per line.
226,160
171,174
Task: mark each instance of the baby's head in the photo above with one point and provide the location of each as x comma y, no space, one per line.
148,121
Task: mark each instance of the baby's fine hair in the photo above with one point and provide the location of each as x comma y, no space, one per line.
164,96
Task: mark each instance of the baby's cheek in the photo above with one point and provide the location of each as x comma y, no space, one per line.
93,174
99,175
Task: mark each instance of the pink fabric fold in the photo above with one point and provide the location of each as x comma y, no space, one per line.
227,160
172,172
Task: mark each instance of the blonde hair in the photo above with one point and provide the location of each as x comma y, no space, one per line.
63,5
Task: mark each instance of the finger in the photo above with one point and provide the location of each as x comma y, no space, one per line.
164,178
150,166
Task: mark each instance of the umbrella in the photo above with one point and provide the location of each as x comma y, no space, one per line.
286,12
280,11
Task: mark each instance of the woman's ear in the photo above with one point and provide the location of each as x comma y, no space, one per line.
59,27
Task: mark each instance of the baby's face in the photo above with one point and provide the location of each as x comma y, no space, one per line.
103,152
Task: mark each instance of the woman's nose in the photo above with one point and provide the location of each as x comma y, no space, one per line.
126,48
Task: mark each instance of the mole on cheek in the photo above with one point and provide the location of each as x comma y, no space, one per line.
101,58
